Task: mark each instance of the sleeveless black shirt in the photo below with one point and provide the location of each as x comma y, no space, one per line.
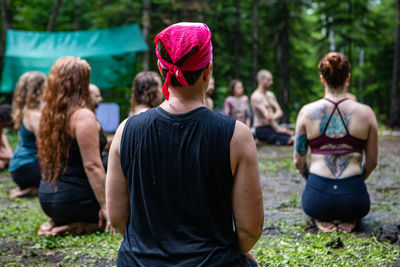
180,188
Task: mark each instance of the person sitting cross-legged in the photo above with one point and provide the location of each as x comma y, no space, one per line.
266,111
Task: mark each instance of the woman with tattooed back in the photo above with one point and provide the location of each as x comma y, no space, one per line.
340,132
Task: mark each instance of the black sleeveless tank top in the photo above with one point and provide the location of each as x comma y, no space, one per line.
180,187
75,164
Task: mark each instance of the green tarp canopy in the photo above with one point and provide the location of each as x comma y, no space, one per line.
110,53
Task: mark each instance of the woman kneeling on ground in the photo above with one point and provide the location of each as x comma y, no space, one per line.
339,132
24,165
71,192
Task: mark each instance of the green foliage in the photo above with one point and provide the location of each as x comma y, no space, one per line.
21,220
358,27
296,247
288,241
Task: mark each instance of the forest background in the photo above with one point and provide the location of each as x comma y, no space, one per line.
287,37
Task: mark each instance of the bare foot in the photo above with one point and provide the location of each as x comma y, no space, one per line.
27,192
290,141
45,228
347,227
76,228
258,142
326,227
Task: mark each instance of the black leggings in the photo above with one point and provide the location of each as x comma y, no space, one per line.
329,199
269,135
27,175
71,202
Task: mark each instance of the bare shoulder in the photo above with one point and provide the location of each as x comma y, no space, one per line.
83,114
83,119
270,94
120,129
241,135
364,111
32,115
256,96
115,146
311,109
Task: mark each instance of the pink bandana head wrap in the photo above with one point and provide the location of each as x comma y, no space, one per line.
179,39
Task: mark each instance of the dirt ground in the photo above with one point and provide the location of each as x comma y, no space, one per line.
282,187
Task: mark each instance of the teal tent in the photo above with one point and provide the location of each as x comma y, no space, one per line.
110,52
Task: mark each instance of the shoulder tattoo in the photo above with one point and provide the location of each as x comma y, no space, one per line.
316,113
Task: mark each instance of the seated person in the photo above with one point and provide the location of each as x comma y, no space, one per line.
266,112
5,148
339,132
210,91
237,103
96,99
24,165
70,142
95,95
146,92
183,186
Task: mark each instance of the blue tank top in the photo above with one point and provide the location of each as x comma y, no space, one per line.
26,151
180,186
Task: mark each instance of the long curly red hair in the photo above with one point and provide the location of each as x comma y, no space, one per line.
67,90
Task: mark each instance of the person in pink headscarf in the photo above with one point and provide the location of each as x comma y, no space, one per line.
179,173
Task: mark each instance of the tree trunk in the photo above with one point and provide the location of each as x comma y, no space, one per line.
76,23
332,46
6,14
360,80
145,31
237,39
54,15
282,56
7,19
255,43
394,105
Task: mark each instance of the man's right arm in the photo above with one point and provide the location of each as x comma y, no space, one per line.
117,195
247,199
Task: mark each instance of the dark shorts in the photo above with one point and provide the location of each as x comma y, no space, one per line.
27,175
73,201
269,135
329,199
